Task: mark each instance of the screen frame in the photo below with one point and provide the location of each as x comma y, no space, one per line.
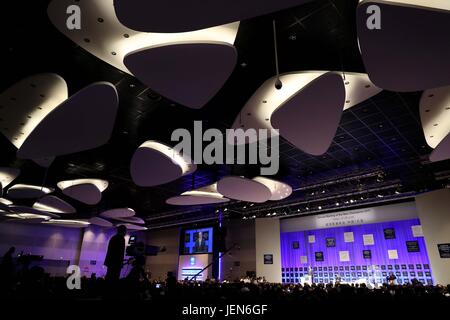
212,230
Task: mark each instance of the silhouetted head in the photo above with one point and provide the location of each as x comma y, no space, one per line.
122,230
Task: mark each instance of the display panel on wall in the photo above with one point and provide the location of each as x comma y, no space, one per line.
389,233
318,256
331,255
367,254
444,250
196,241
412,246
331,242
268,259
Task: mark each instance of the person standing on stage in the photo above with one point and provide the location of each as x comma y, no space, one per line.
391,278
115,254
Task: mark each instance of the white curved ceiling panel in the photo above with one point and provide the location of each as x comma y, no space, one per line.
258,111
155,163
100,222
202,70
132,227
5,202
180,16
435,118
24,210
24,217
410,50
118,213
25,191
82,122
358,88
42,122
106,38
134,220
278,189
204,195
243,189
8,175
67,223
88,191
442,151
310,118
101,185
54,204
25,104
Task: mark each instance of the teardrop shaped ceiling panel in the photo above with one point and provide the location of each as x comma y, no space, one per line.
410,51
442,151
118,213
84,121
190,74
278,189
310,118
8,175
25,191
243,189
28,102
67,223
155,163
54,204
134,220
358,88
24,210
5,202
257,112
200,196
106,38
88,191
132,227
100,222
25,218
435,118
181,16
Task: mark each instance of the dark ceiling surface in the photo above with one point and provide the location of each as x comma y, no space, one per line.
379,152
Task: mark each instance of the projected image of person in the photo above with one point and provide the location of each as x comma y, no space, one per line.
200,242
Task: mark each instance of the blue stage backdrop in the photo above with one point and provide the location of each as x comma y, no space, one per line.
393,248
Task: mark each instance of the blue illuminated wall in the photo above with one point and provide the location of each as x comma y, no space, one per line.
409,265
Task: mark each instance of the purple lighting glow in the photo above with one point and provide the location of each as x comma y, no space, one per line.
297,253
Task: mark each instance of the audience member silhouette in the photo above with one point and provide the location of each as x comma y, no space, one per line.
7,270
115,255
7,265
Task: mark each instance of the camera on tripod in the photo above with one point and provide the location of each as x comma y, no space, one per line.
141,249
